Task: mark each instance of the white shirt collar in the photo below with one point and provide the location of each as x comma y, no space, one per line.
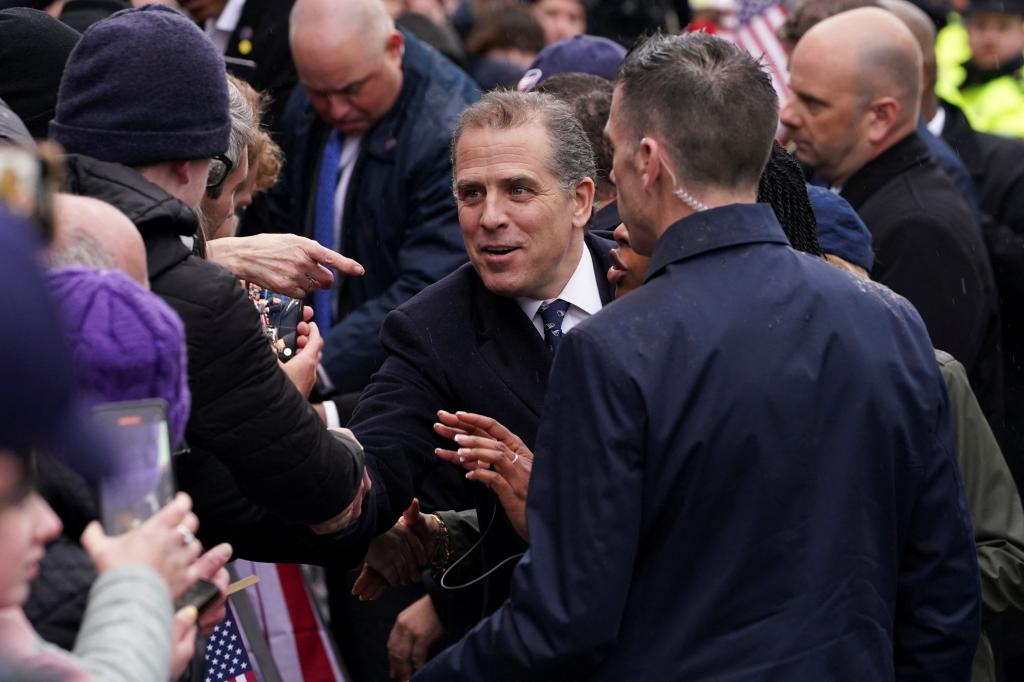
580,291
938,122
229,16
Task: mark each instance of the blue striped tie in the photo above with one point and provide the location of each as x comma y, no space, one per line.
323,223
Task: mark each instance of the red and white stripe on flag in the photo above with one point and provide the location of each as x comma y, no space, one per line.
298,641
755,28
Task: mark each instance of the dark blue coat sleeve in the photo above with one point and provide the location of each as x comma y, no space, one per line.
938,614
584,512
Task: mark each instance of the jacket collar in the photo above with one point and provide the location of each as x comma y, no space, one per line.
964,140
908,152
382,139
161,219
510,344
975,75
714,229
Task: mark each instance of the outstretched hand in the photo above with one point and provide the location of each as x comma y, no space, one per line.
397,556
492,455
287,263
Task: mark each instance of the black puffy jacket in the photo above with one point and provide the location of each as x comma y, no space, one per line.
258,452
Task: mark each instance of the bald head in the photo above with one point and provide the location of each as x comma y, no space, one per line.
349,58
92,233
923,31
917,21
340,22
872,51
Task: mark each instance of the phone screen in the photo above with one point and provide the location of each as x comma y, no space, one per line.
139,480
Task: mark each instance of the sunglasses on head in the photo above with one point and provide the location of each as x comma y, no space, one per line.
220,169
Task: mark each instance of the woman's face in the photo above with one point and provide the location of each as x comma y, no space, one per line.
27,524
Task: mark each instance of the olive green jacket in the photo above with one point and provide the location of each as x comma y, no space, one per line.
994,505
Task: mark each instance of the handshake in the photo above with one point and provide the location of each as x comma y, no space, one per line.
416,541
492,455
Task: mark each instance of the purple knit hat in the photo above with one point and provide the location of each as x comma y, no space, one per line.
127,344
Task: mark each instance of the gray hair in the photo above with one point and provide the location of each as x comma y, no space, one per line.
571,158
80,249
709,103
244,124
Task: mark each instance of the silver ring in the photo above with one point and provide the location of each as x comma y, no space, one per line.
516,458
186,534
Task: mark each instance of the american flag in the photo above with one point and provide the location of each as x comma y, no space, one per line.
225,656
755,28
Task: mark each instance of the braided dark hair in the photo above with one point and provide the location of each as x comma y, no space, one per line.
782,186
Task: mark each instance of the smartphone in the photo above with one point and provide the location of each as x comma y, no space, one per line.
281,316
202,595
138,480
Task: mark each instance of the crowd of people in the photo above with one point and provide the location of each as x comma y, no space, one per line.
560,337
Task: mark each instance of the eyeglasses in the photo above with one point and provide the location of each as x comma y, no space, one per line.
220,169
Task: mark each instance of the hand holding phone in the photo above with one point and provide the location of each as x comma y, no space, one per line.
162,543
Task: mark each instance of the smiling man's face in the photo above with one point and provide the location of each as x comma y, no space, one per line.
523,231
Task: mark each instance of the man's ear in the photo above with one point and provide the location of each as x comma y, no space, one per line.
884,114
182,172
583,203
648,162
394,44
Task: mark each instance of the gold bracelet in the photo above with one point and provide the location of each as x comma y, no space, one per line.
443,553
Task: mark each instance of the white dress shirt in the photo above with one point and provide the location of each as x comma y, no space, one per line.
937,123
580,292
221,28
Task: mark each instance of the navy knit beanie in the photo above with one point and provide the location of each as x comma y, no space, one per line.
34,48
144,86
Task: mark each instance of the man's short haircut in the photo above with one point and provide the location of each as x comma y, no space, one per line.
591,99
570,160
245,125
808,13
709,103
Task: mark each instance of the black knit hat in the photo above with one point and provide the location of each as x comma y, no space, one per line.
144,86
34,48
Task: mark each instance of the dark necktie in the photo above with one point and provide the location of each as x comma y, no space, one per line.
323,223
552,313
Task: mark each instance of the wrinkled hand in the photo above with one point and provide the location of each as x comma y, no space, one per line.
415,630
183,640
301,369
350,513
492,455
158,543
398,556
287,263
210,566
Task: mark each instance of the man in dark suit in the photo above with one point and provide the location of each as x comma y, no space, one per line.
479,339
853,116
744,469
